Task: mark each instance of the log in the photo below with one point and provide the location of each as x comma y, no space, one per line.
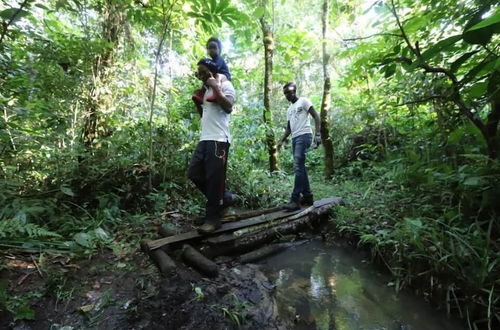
263,252
250,214
199,261
319,207
166,232
251,241
164,263
225,228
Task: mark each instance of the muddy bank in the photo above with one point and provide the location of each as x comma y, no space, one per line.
240,297
129,293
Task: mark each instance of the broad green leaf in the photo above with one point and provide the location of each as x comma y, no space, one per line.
222,5
13,14
101,234
493,19
67,191
213,6
39,5
461,60
415,24
472,181
477,90
476,70
82,239
259,12
440,46
390,70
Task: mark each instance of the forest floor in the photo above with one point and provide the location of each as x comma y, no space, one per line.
126,291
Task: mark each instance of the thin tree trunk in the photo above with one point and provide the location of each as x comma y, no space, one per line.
326,102
267,114
111,29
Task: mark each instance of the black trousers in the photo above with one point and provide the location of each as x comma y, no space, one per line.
207,170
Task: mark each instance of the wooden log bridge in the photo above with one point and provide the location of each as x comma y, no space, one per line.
239,233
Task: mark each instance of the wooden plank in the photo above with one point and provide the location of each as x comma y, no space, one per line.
225,227
235,225
268,218
250,214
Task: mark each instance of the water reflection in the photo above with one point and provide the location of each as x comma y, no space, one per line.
322,287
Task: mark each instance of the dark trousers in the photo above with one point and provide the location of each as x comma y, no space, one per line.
207,170
300,146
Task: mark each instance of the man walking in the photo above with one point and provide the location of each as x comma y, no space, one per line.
208,165
299,126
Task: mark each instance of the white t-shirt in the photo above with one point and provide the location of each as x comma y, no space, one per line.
298,116
215,121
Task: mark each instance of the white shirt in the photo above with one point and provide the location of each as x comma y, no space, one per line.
215,121
298,116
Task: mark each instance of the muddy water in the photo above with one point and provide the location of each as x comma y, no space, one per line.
324,287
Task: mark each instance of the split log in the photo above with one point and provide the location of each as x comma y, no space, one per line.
199,261
225,228
319,207
164,263
251,241
250,214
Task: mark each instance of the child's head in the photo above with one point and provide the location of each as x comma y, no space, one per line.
214,47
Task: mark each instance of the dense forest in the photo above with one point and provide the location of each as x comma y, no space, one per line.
97,129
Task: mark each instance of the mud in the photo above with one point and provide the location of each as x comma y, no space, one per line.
109,293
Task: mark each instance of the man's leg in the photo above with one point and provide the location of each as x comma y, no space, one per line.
196,170
300,145
215,177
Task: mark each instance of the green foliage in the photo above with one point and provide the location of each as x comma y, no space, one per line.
420,194
16,228
17,305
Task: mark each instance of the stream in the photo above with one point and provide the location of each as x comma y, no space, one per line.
327,287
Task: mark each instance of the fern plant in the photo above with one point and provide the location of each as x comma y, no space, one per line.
15,229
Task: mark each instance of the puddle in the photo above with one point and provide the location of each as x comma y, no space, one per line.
325,287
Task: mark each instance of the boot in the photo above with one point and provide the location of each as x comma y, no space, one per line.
292,206
211,224
230,199
307,200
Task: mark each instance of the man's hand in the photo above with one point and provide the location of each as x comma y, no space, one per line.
317,140
212,82
279,145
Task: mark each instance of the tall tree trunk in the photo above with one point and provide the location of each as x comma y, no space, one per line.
267,114
111,29
326,102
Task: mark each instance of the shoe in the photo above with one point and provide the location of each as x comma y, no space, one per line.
199,221
307,200
292,206
230,199
209,226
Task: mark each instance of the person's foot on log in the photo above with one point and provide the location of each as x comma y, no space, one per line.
307,200
292,206
210,225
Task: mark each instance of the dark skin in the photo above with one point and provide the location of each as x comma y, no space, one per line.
291,95
213,49
209,79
